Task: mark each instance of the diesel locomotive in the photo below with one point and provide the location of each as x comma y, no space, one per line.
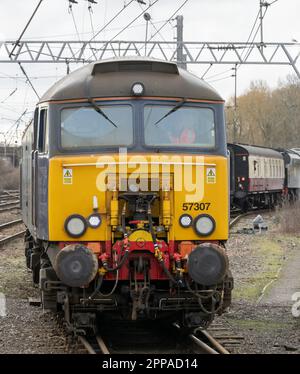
125,196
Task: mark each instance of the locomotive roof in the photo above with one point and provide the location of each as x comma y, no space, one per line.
114,78
256,150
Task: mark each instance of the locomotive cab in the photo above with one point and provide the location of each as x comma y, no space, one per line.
125,195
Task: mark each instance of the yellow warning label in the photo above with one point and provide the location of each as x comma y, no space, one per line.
67,176
211,175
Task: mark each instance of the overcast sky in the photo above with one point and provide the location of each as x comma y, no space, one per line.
204,20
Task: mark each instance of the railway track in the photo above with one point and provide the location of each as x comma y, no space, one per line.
9,197
7,209
12,203
13,236
95,345
202,341
9,203
10,192
239,216
9,238
9,224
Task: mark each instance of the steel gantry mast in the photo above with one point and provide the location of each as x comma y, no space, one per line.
212,53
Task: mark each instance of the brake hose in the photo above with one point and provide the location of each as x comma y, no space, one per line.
161,262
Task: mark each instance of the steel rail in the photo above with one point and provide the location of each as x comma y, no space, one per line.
6,197
102,345
11,237
9,208
87,345
203,345
214,342
235,220
9,203
11,223
11,192
91,350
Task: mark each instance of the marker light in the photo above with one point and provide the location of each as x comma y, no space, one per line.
94,220
204,225
137,89
75,225
185,220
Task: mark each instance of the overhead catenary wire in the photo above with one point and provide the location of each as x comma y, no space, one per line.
9,95
275,1
220,79
82,34
29,80
247,48
129,24
74,21
267,5
252,29
105,26
253,39
25,28
17,121
168,20
155,28
206,71
17,43
90,9
111,20
246,45
218,74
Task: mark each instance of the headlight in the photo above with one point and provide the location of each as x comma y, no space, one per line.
133,187
94,220
75,225
137,89
185,220
204,225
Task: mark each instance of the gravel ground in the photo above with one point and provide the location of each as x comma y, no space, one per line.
9,216
25,328
265,267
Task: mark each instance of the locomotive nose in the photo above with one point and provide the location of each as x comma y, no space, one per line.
75,264
207,264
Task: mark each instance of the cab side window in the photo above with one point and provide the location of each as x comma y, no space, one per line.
35,128
42,144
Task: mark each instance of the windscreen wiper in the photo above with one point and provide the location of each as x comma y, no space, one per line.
100,111
176,107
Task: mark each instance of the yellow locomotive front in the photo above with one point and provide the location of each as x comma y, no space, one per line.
137,200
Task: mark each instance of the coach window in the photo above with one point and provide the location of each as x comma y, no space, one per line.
254,166
42,132
265,169
271,168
